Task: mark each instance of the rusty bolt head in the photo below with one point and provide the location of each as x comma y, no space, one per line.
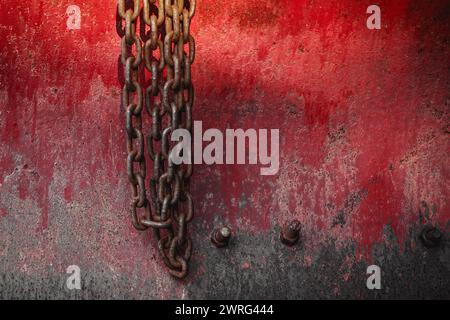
431,237
290,233
221,236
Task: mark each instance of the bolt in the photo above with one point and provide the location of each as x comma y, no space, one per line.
290,233
221,236
431,237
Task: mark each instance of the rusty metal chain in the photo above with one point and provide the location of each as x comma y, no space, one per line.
167,54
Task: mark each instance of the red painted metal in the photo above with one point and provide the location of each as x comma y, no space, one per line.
363,119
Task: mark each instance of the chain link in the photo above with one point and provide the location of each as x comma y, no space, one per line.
168,100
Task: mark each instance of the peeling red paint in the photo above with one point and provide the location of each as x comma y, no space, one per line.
68,193
357,110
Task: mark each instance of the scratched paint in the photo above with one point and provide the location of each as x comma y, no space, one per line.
363,119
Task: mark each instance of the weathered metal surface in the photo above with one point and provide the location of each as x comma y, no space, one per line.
364,124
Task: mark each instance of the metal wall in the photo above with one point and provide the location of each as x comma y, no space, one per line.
364,123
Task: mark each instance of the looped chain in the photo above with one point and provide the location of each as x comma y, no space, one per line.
167,54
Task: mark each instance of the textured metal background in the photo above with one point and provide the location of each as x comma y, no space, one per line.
364,119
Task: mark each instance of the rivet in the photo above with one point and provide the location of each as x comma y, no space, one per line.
431,237
290,233
221,236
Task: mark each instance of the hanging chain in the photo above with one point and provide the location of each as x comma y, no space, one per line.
167,54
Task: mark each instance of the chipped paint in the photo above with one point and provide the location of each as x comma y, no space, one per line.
363,119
